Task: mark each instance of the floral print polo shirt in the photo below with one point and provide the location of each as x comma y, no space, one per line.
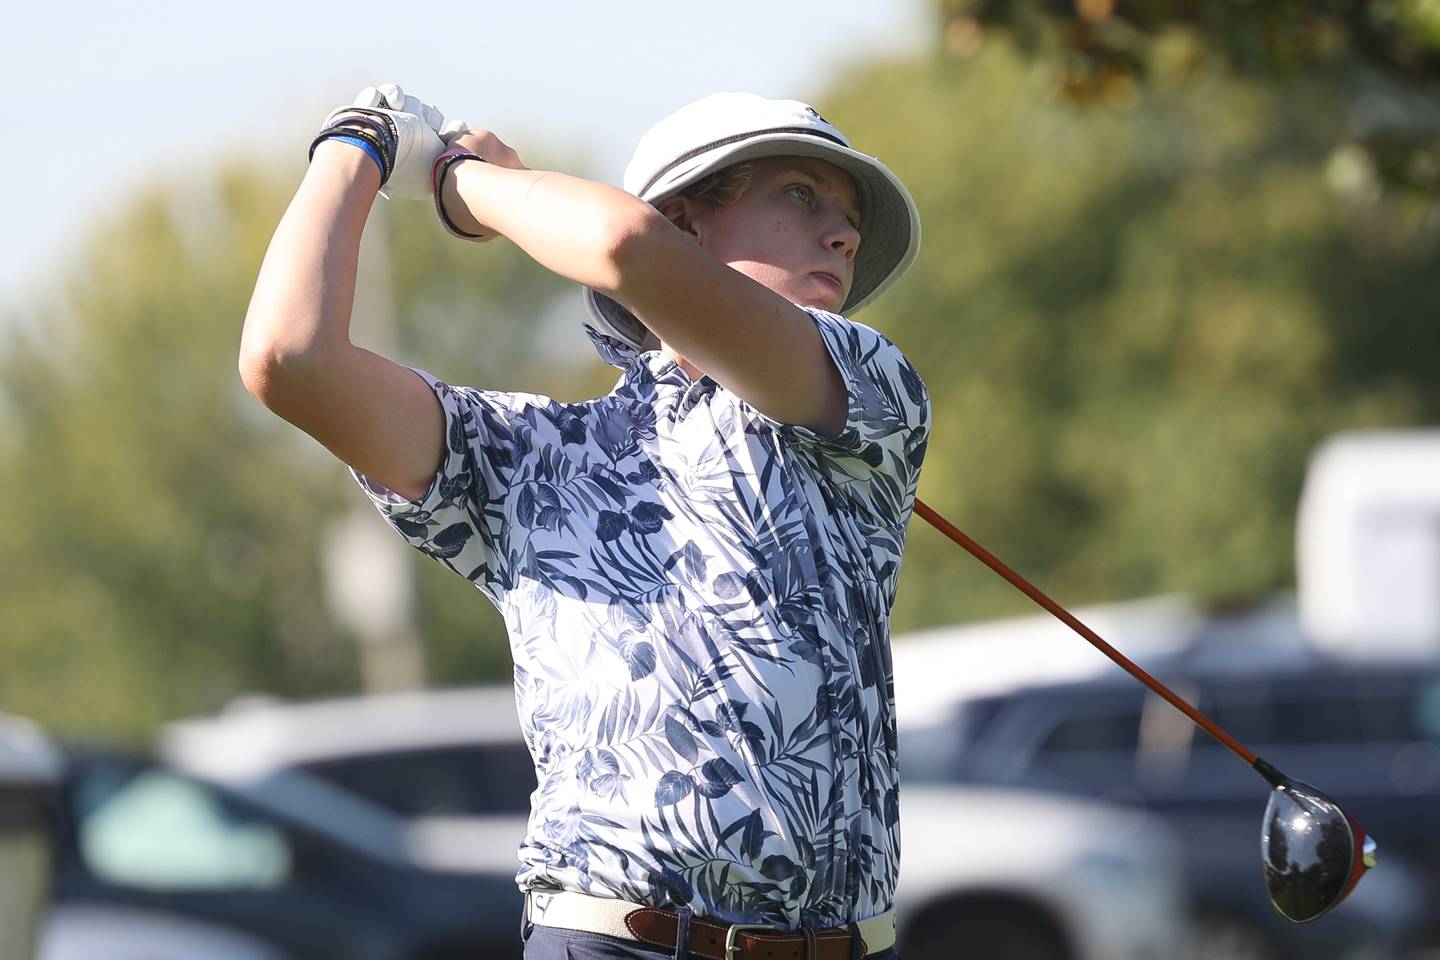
698,605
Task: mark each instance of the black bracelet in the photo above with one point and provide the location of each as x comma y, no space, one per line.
382,123
442,166
373,127
359,134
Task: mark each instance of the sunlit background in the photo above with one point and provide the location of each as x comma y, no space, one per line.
1172,251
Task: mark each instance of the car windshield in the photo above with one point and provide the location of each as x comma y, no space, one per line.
145,827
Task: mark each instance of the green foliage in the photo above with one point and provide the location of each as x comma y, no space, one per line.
162,547
1135,324
1273,36
158,563
1136,318
1100,53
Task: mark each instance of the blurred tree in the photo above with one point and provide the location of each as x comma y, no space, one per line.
1098,52
162,546
1135,323
1281,35
1136,318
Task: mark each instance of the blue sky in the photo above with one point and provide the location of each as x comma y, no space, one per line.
106,96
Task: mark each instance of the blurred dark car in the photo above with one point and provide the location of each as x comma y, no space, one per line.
304,872
1367,735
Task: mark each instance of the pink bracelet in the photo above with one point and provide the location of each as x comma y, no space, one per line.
443,163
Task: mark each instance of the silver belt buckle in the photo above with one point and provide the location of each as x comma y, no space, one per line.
730,947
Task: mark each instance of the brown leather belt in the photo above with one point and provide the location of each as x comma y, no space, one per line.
708,939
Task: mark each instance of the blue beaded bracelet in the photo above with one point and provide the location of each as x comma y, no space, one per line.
363,145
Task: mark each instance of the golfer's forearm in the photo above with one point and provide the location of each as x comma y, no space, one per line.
573,227
301,305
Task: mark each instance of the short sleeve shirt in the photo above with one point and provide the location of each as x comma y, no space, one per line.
698,602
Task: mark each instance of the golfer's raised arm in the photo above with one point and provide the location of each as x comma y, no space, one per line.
295,353
744,335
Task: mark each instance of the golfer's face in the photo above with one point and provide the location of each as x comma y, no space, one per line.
795,229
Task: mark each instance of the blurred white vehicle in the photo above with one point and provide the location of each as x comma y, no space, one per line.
987,874
1001,873
1367,545
107,932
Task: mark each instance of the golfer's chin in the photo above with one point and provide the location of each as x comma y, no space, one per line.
815,302
829,302
825,291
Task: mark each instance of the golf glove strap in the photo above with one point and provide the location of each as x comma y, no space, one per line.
408,133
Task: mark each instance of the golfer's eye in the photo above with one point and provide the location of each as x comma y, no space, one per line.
802,193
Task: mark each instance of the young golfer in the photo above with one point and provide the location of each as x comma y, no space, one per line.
696,570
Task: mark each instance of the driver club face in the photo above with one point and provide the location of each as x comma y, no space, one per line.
1313,852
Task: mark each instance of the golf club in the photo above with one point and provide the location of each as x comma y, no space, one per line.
1313,852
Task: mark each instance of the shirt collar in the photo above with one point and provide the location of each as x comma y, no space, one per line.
612,350
652,366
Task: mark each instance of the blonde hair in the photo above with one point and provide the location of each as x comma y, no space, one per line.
723,187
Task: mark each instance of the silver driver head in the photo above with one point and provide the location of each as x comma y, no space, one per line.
1313,853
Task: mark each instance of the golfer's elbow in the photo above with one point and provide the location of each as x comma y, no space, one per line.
633,243
274,368
260,371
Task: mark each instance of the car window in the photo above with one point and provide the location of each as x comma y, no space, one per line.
1085,741
1389,708
1326,711
1323,720
152,829
927,754
1096,728
465,780
1242,707
1425,710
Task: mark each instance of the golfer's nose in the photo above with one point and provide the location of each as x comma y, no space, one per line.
841,236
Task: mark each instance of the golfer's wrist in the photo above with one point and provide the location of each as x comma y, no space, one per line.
340,160
459,181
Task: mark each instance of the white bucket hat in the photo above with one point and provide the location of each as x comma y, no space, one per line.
723,129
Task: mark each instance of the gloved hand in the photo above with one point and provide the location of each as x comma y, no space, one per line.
405,131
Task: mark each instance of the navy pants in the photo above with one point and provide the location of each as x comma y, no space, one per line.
554,943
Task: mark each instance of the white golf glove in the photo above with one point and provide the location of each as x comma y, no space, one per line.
405,131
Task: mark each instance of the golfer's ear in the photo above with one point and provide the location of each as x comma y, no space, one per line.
681,211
